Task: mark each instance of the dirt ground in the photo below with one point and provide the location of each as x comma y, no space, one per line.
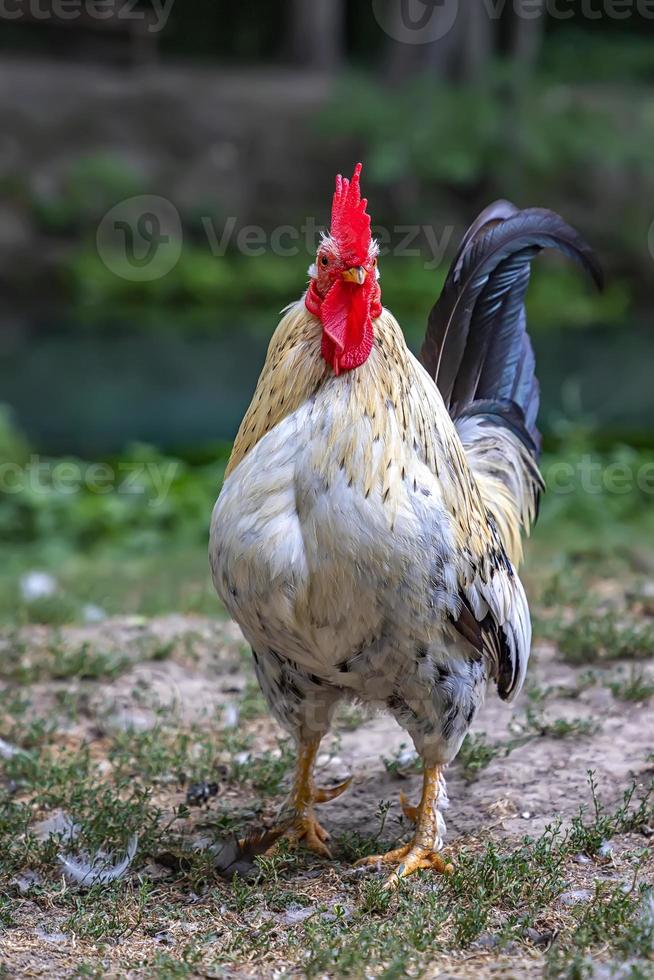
193,673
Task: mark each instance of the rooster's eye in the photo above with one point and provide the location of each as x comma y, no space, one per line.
324,260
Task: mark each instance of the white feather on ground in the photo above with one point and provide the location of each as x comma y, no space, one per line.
8,751
58,824
99,869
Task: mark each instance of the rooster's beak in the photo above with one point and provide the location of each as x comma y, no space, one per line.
356,274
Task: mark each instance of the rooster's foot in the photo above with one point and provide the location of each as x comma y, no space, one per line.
306,830
424,850
408,859
298,815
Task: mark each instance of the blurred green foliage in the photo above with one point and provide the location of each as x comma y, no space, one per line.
201,283
92,184
575,55
434,154
146,499
138,501
598,489
533,140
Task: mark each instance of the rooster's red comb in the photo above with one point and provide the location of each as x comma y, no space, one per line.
350,223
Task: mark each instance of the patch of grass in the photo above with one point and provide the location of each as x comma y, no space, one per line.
88,969
536,725
403,761
569,727
265,772
86,663
167,967
353,845
115,575
163,754
584,680
593,637
475,754
630,816
519,884
53,610
495,891
108,911
349,717
26,661
616,915
637,686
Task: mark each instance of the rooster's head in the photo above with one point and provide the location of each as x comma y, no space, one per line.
344,290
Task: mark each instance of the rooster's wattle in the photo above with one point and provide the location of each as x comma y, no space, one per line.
367,535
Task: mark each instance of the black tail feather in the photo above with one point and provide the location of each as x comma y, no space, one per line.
477,347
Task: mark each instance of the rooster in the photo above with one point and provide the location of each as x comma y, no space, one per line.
368,532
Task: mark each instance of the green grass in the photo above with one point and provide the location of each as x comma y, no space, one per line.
592,637
26,665
636,686
173,576
475,754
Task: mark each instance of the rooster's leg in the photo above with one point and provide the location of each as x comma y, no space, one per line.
421,852
298,811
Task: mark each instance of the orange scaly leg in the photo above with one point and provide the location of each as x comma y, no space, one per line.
299,811
420,852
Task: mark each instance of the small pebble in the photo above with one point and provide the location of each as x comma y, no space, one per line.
93,614
408,757
231,715
575,896
525,815
539,937
51,937
295,914
37,585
